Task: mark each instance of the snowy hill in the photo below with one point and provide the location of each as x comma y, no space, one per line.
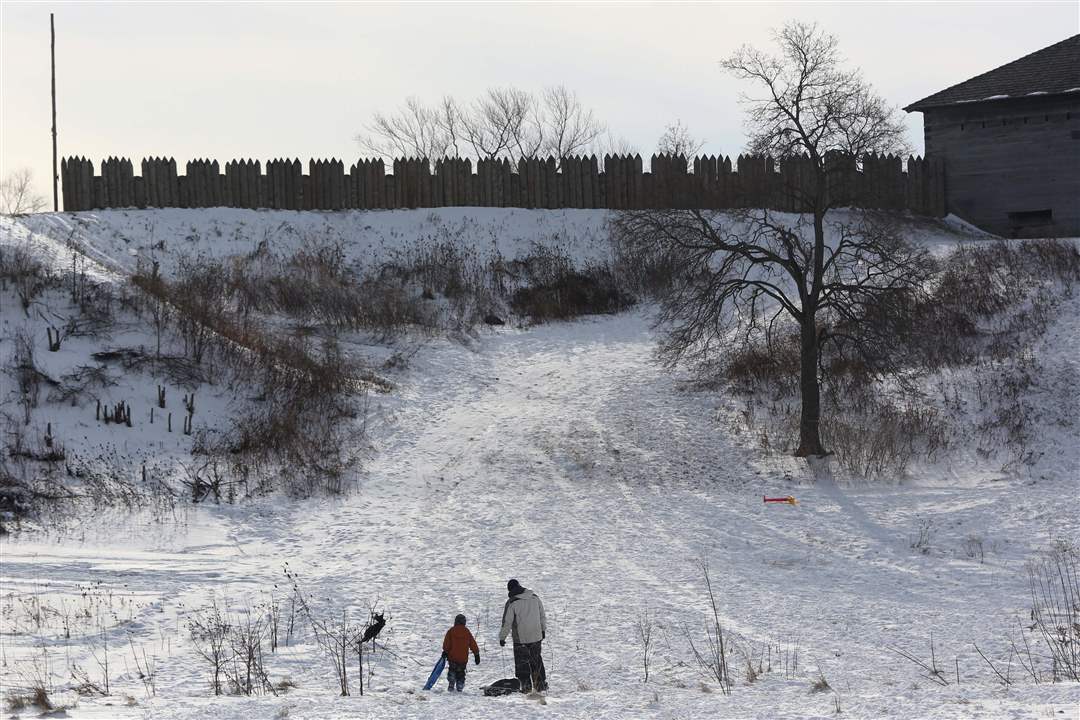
560,454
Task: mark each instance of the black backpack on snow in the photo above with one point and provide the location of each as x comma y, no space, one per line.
503,687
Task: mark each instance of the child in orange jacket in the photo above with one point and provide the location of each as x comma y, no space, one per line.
456,646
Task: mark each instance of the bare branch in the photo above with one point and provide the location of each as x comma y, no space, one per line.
17,196
502,123
808,105
677,140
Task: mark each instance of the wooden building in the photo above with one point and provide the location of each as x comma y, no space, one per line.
1010,139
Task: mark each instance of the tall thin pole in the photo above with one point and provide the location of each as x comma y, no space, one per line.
55,176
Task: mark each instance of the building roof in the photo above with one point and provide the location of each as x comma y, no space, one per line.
1054,70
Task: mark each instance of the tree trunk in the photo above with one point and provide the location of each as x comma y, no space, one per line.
809,430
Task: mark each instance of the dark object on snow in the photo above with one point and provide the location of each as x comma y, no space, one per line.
494,320
460,620
509,686
372,631
513,587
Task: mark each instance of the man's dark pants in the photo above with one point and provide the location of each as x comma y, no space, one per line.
528,664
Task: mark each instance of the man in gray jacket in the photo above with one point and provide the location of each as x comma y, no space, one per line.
524,617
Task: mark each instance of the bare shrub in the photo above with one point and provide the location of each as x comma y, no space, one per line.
645,626
820,684
972,307
36,697
27,488
877,438
306,391
40,449
752,672
923,537
26,372
246,671
157,293
870,432
448,267
314,284
973,548
441,282
542,285
1005,678
87,684
651,274
209,630
79,384
390,308
306,400
199,292
551,288
36,684
20,266
339,639
711,655
591,292
772,365
145,668
1054,583
108,479
231,645
929,667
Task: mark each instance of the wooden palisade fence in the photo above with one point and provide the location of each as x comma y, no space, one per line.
577,182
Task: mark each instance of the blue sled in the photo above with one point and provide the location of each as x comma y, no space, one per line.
435,674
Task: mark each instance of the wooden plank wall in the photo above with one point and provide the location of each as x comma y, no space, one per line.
617,182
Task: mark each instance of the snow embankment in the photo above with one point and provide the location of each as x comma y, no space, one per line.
120,239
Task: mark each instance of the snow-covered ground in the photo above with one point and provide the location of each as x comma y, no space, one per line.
120,238
564,456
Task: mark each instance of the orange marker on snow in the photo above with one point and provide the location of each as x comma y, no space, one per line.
789,500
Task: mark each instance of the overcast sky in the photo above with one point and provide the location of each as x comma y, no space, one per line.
264,80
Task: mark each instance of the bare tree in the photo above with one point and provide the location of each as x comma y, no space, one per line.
17,196
502,123
809,104
415,130
677,140
610,144
745,278
571,128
